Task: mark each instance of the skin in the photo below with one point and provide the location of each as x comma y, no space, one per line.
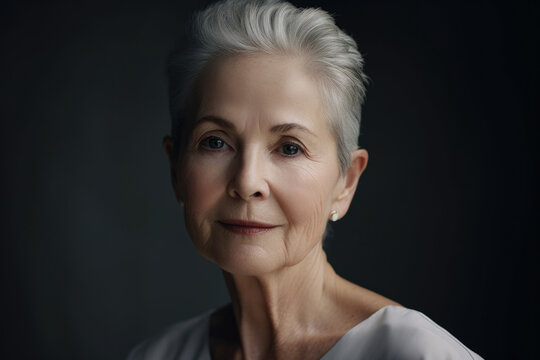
242,163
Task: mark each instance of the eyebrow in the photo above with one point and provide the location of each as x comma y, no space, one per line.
280,128
216,120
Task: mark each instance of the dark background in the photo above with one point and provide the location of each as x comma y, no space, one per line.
94,254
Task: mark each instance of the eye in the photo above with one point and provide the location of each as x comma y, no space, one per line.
213,143
290,149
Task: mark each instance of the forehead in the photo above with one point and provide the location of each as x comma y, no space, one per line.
273,88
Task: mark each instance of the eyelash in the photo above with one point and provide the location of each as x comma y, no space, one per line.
295,144
204,145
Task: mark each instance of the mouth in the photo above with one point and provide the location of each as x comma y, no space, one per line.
246,227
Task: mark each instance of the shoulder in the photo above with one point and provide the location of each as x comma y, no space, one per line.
185,340
395,332
410,332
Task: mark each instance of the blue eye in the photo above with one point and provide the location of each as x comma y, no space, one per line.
213,142
290,149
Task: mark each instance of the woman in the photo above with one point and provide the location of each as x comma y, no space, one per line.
266,114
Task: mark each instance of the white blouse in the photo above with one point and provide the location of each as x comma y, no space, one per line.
393,332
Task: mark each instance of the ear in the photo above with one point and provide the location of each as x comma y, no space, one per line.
168,146
359,160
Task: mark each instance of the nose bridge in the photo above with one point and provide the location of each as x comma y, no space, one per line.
248,181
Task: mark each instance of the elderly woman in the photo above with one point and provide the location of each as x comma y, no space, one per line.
266,114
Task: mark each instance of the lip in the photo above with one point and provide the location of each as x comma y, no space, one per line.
246,227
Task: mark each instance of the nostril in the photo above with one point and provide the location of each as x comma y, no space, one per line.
257,194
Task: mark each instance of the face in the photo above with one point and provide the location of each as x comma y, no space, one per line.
260,174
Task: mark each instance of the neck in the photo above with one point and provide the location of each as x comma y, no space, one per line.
275,311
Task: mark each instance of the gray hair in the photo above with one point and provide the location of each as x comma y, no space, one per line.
241,27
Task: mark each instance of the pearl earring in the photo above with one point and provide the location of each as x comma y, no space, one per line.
334,215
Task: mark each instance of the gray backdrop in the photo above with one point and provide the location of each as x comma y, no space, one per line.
94,254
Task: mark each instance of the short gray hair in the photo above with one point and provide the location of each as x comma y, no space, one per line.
249,26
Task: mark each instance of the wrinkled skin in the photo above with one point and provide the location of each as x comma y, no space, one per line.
262,150
253,175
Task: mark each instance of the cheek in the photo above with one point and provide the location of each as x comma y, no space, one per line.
203,186
305,194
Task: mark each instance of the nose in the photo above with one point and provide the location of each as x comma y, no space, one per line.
248,180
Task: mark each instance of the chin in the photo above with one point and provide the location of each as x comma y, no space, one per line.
246,260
